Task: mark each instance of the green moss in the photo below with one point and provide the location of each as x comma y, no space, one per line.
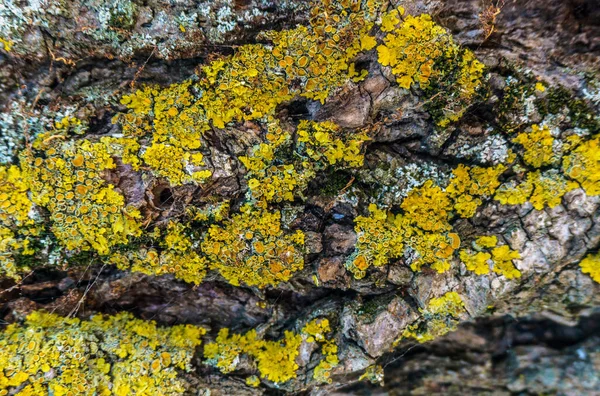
374,306
513,102
559,99
443,93
422,53
331,183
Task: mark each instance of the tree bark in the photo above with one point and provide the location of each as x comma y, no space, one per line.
534,334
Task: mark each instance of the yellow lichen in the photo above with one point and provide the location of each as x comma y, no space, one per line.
275,359
583,166
423,230
489,254
176,257
15,204
6,44
421,52
502,257
539,145
433,249
281,169
541,189
330,360
487,241
176,122
591,265
117,355
439,317
253,381
209,213
373,374
87,213
18,228
308,61
512,193
165,132
125,148
469,185
316,330
377,241
539,87
69,123
412,48
224,352
428,207
478,262
253,248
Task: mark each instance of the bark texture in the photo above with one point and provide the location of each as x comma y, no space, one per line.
537,334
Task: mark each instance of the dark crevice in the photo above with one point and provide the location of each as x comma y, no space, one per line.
163,197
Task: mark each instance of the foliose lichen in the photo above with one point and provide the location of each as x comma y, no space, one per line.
117,355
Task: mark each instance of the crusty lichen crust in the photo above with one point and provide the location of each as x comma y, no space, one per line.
60,197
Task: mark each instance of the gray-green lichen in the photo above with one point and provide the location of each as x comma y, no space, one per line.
62,29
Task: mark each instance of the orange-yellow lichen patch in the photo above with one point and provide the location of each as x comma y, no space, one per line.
541,189
431,248
309,61
377,241
171,163
237,258
583,166
125,148
86,211
15,204
275,359
499,258
383,236
423,231
469,185
591,265
439,317
18,229
316,331
412,48
176,256
420,52
281,169
117,355
539,145
78,160
428,207
176,121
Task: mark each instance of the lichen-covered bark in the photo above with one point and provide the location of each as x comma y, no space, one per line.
500,356
390,251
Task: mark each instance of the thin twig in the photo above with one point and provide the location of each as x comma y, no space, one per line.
141,68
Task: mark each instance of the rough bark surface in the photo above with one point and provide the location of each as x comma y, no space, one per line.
537,334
